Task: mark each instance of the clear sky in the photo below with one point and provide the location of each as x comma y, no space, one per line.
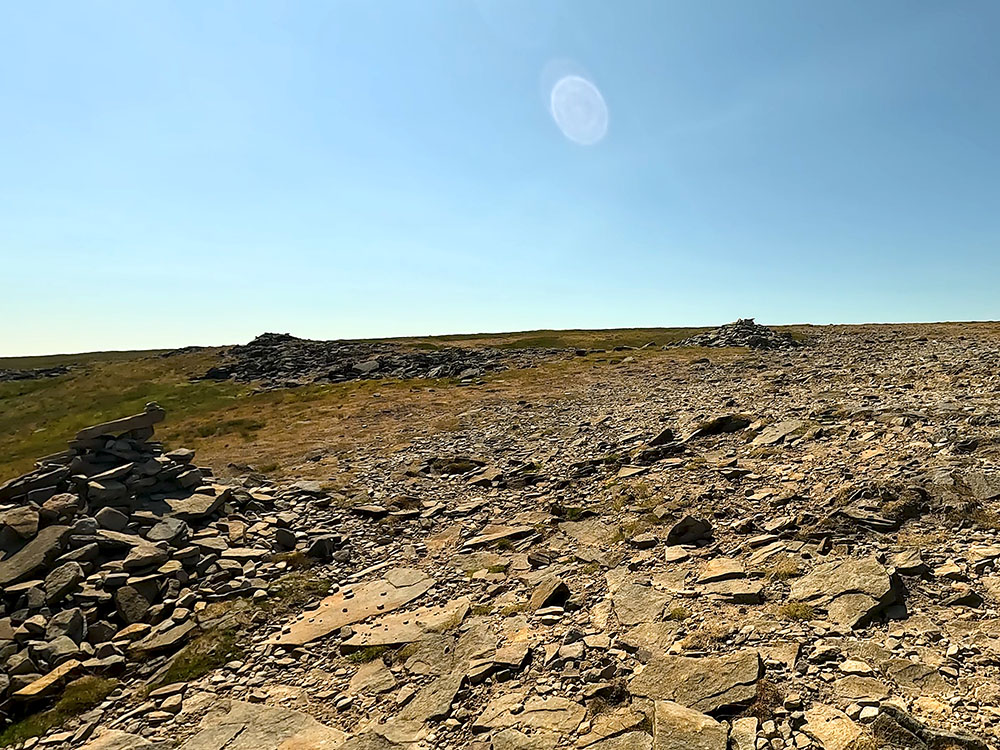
198,172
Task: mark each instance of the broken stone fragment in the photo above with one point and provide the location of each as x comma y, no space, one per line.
234,725
852,591
550,591
35,556
710,684
677,727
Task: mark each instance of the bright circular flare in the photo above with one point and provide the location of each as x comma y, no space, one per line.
579,110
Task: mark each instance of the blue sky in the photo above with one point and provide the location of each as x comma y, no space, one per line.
198,172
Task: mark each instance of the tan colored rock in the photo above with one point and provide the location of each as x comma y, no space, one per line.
851,590
830,728
677,727
708,684
399,587
234,725
50,683
408,627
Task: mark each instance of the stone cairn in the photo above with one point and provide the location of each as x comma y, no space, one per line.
107,552
744,332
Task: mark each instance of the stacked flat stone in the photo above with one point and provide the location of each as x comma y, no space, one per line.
108,550
744,332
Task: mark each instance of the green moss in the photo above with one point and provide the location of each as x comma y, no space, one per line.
208,651
79,696
678,614
367,654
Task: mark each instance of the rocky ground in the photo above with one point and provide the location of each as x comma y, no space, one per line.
280,360
33,373
792,548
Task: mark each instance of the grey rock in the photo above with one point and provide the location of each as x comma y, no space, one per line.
70,623
62,581
34,556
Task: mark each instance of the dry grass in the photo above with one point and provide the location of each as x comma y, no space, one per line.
797,611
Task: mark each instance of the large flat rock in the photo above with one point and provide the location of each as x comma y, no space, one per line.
152,415
400,586
34,557
407,627
710,684
234,725
677,727
113,739
851,591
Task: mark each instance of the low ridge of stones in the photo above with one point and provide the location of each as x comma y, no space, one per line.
282,360
743,332
35,373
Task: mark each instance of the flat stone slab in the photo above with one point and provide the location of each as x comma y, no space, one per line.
348,606
198,505
148,418
495,533
677,727
850,590
708,684
49,683
721,569
235,725
407,627
634,603
373,677
779,431
551,714
113,739
590,532
33,557
832,729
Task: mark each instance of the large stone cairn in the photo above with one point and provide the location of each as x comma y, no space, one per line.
103,557
743,332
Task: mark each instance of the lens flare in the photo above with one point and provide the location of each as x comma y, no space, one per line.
579,110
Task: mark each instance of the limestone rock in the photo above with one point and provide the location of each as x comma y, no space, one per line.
709,684
677,727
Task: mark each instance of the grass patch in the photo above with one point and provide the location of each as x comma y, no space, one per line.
293,591
514,609
797,611
79,696
295,560
245,427
767,701
677,614
502,568
708,635
208,651
784,570
481,609
366,654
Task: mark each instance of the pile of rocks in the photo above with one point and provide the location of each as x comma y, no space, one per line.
281,360
109,549
744,332
35,373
